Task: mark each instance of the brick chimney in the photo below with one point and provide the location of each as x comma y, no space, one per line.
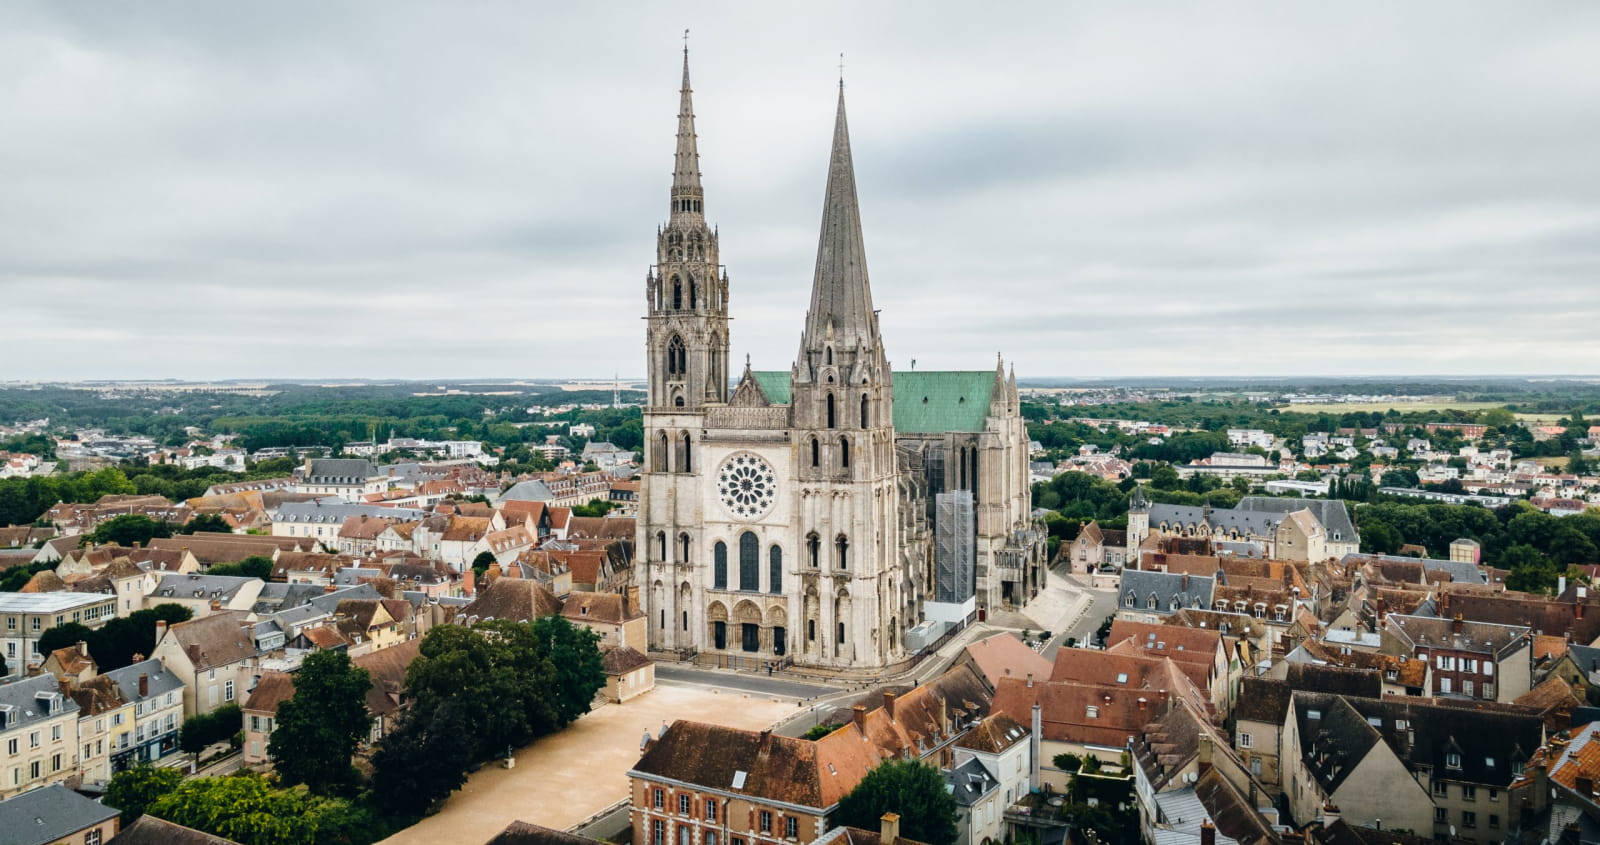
1205,753
83,649
1455,624
858,714
888,703
1208,833
144,684
161,629
889,828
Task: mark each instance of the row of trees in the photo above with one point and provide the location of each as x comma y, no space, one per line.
114,644
1534,545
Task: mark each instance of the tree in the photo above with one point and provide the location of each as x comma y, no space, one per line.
203,729
422,761
65,634
819,731
320,726
133,790
579,670
481,564
1068,762
1164,477
130,528
1530,570
911,788
242,808
206,523
254,566
119,640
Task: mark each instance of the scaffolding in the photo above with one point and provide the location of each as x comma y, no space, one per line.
955,547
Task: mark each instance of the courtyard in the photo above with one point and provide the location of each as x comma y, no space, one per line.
564,778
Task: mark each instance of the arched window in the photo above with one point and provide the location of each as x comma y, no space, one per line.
816,453
687,463
844,452
830,355
661,454
749,562
677,294
677,357
841,556
677,401
661,544
694,293
719,565
1150,603
774,570
1127,601
863,410
814,549
683,547
831,421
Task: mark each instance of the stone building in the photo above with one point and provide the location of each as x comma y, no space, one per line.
795,517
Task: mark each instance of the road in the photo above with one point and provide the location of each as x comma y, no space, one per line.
1102,603
741,681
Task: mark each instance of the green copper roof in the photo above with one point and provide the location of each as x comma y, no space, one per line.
925,401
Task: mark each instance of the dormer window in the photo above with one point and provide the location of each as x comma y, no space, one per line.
1452,760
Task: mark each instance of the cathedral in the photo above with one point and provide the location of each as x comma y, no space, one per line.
837,514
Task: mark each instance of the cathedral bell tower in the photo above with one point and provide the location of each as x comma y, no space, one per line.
686,291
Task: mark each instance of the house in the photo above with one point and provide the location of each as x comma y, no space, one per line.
149,830
1003,655
26,615
976,792
260,713
215,658
207,594
1481,660
157,698
105,729
616,618
347,478
629,673
994,767
55,815
38,734
1148,596
511,598
1095,547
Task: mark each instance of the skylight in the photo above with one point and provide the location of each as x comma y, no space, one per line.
738,779
1122,677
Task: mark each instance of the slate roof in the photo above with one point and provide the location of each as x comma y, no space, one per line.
970,782
1332,513
925,401
149,830
222,588
49,814
1334,737
523,833
22,697
529,491
994,734
157,683
1481,637
1189,590
340,470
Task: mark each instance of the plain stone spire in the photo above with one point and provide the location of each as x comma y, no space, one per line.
841,296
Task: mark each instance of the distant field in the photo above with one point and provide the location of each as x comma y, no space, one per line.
1380,407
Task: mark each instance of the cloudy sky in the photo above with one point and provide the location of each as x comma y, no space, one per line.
364,189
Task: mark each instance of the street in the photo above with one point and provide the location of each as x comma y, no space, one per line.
741,681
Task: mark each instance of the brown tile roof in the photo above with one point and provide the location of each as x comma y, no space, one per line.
388,667
288,562
601,527
994,734
774,768
1580,618
1065,714
512,598
1554,700
1004,654
857,836
122,567
231,548
1233,815
1549,645
605,608
325,636
44,581
363,527
1263,700
585,566
273,689
72,659
97,695
149,830
620,659
466,529
214,641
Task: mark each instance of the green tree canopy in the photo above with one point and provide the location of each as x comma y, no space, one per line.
911,788
242,808
133,790
320,726
65,634
254,566
203,729
206,523
128,529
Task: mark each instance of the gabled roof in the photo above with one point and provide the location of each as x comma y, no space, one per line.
599,608
523,833
271,690
761,765
512,598
619,660
213,641
925,401
1003,654
996,733
49,814
149,830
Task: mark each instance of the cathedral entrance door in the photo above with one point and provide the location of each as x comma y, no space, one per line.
719,635
779,641
752,636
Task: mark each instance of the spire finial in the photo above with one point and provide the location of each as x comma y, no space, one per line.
841,72
685,43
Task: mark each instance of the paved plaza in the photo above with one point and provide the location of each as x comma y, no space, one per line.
564,778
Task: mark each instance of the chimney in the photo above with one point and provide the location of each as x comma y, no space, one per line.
1561,585
888,703
83,649
889,828
1208,833
1185,588
1455,624
161,629
1205,753
1143,702
1584,786
1034,741
144,684
1030,680
215,605
858,714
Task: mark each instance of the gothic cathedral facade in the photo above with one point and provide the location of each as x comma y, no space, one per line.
792,518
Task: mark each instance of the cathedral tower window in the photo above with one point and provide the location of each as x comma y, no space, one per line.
830,356
694,294
844,452
831,422
863,410
677,357
719,565
677,294
661,456
686,459
661,545
816,452
683,547
749,562
841,548
814,549
775,570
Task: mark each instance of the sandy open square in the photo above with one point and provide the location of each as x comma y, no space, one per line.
561,780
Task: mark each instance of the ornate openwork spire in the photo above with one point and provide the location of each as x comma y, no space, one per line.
686,193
